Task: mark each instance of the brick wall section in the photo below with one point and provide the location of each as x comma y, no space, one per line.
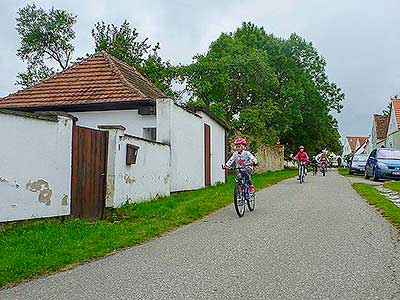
270,158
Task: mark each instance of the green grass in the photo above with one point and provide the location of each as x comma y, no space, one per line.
393,185
37,247
345,172
386,207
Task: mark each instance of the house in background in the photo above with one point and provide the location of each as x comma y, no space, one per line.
363,149
354,143
393,131
128,140
380,124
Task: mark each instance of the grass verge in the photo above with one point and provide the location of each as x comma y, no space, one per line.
386,207
393,185
345,172
37,247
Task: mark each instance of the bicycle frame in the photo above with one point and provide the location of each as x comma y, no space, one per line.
302,170
243,179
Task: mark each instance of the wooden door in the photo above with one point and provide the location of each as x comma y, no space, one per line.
89,170
207,154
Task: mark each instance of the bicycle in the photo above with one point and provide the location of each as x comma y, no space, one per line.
315,169
323,168
241,194
302,171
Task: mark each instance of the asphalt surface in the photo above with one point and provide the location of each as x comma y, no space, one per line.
319,240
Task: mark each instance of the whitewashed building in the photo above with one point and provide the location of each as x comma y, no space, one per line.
377,138
353,143
393,131
127,142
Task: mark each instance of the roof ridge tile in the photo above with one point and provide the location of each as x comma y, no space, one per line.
119,74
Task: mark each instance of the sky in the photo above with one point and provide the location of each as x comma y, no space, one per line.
360,39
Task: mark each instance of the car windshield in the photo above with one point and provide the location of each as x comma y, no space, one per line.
359,158
389,154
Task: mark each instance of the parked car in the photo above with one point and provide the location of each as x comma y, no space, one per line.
383,163
357,164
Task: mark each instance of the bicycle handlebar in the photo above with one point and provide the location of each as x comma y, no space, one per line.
235,168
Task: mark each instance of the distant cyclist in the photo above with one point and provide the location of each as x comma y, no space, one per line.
314,164
243,158
323,160
302,158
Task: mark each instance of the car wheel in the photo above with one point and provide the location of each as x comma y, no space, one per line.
350,172
375,177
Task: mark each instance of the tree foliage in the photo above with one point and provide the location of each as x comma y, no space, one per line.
124,44
268,88
45,42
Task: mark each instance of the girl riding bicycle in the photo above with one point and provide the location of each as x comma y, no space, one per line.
243,158
302,158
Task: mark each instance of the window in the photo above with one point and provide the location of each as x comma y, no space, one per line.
131,154
150,134
389,154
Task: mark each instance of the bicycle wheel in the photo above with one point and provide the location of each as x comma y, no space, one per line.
301,174
239,201
251,202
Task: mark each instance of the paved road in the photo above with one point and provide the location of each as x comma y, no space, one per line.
319,240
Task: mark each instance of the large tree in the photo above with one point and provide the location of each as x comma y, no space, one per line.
46,42
124,44
270,89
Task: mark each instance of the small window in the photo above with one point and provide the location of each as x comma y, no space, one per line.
131,154
150,134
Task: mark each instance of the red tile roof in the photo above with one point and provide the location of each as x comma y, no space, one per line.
100,78
353,141
381,125
396,107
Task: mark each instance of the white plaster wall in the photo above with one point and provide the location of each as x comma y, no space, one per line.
35,164
392,122
130,119
346,147
217,148
379,144
184,132
147,179
395,140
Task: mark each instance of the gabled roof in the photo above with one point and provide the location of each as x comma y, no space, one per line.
356,141
396,108
381,126
362,148
100,78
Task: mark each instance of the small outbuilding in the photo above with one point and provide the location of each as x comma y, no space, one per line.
127,140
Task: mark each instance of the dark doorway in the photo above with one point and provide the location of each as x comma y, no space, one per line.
207,154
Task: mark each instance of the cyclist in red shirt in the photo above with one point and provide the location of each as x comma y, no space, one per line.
301,157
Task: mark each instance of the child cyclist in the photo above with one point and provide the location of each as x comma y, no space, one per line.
243,158
301,157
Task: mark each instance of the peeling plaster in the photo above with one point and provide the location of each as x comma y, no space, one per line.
129,179
41,186
109,188
5,180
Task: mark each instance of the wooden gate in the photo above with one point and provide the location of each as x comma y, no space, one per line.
207,154
89,170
